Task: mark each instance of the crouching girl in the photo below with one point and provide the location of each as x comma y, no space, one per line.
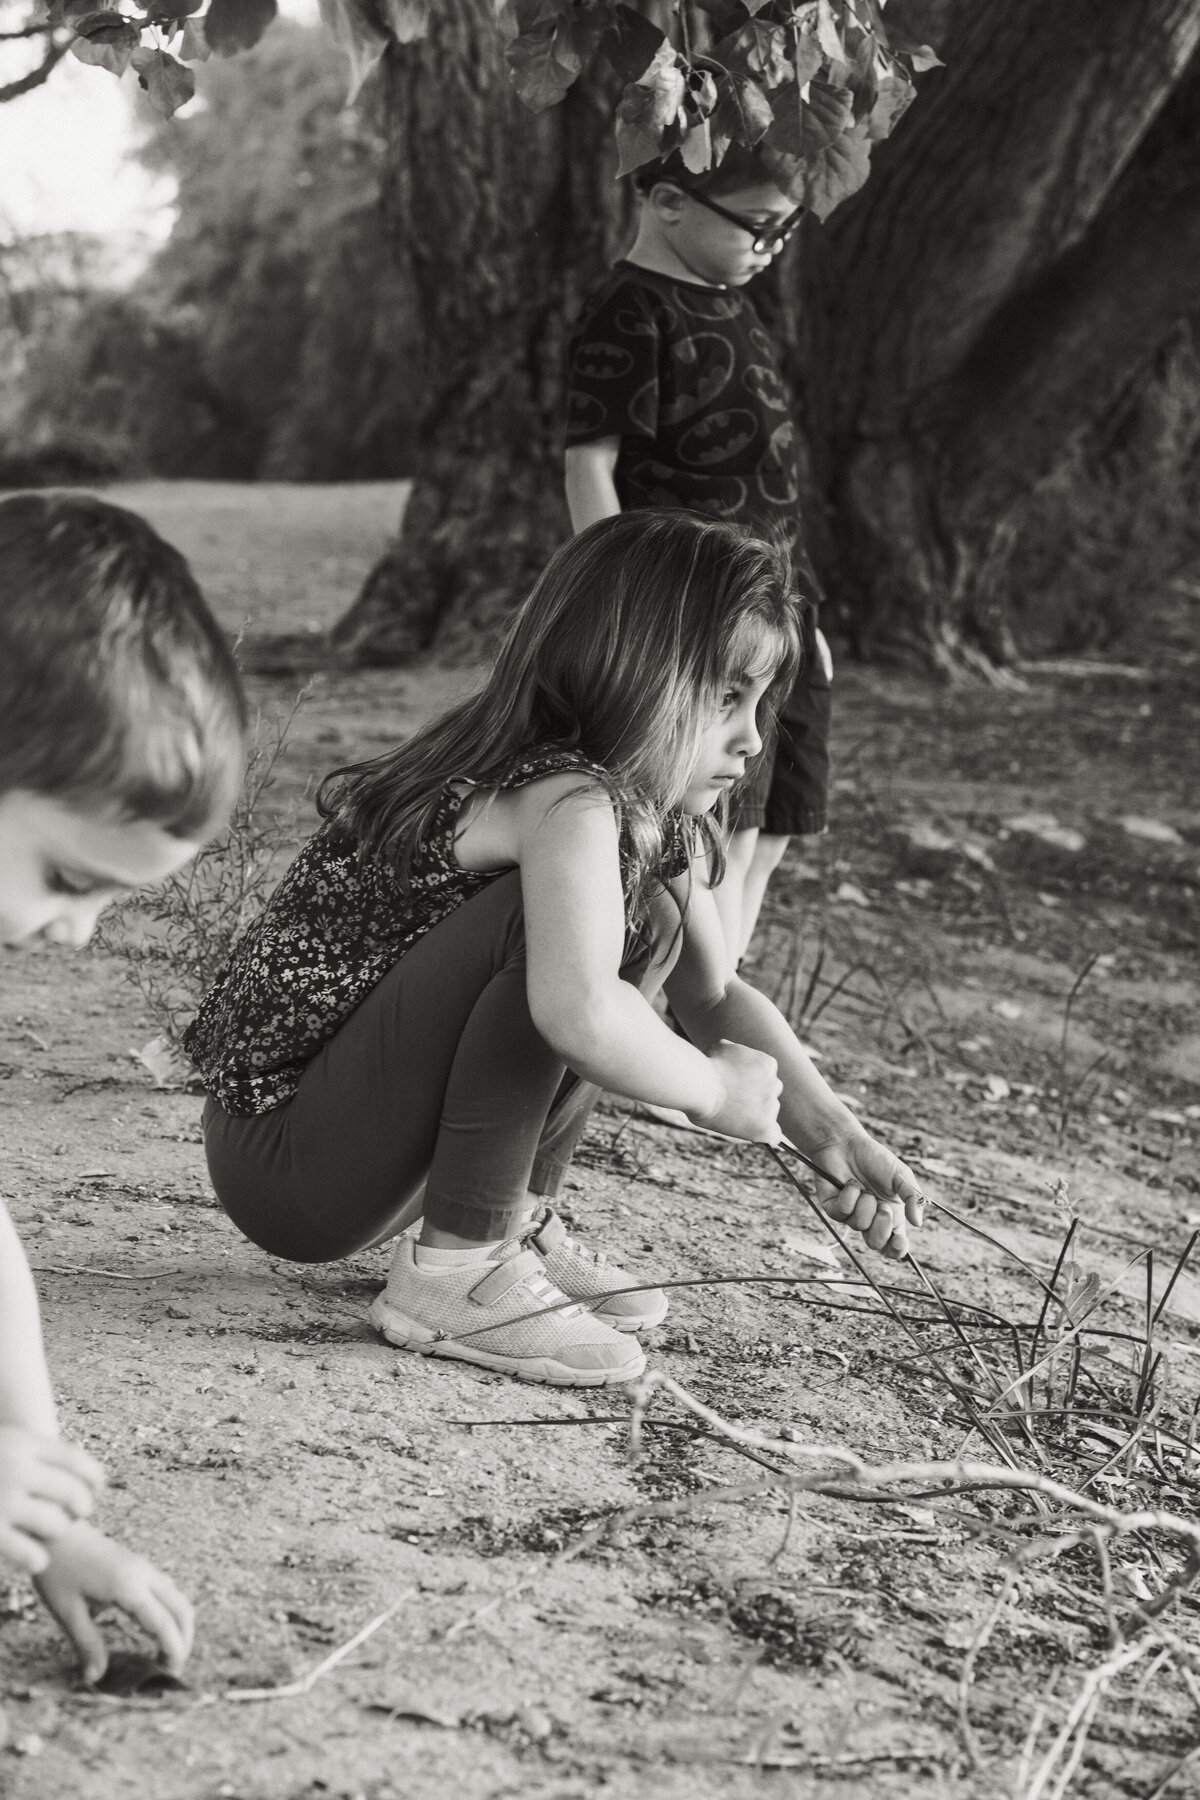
466,952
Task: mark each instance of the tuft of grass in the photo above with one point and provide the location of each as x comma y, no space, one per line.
175,940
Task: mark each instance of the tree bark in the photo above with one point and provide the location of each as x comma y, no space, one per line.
971,311
504,219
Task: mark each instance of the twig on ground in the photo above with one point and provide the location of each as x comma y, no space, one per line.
295,1690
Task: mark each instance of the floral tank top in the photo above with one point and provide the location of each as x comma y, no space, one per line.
335,925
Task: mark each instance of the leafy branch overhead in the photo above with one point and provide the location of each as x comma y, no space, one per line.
812,83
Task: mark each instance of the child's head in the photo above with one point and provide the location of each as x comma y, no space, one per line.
122,721
725,224
635,634
628,649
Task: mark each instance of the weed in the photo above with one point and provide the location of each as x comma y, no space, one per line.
175,940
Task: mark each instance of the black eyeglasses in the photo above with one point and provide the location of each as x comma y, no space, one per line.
765,240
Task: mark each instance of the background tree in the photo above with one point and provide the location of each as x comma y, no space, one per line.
991,342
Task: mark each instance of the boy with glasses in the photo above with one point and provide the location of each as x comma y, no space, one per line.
675,398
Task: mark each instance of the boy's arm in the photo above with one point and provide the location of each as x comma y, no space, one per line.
46,1485
591,481
712,1002
26,1397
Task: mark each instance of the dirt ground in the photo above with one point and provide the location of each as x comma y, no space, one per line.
300,1478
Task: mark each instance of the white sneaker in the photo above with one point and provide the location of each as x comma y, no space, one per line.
504,1314
587,1275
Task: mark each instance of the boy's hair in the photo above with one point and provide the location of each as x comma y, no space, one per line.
740,167
117,687
630,636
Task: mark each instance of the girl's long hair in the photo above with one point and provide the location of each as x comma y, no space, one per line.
628,639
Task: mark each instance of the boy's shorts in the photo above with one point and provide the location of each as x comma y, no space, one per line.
787,793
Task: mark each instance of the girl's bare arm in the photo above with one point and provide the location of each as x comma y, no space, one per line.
566,844
877,1194
590,481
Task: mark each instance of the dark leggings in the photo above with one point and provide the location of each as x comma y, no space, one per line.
439,1075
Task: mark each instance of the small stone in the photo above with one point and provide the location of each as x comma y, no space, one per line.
1151,831
1046,828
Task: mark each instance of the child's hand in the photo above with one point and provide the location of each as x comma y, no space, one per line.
879,1195
46,1486
750,1087
87,1569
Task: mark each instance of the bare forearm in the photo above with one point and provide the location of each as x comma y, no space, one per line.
620,1043
809,1111
26,1397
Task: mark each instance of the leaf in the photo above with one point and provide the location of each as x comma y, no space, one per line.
805,127
631,43
175,9
549,52
902,42
828,35
896,94
742,115
358,34
233,25
830,176
699,93
760,50
167,83
697,148
107,41
193,45
642,131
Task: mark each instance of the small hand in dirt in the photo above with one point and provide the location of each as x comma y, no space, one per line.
87,1569
879,1195
46,1485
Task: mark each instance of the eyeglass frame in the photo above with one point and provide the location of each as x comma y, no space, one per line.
761,239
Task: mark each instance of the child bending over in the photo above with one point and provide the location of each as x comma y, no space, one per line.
122,731
465,953
675,397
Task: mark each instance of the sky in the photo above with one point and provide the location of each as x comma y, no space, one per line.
65,162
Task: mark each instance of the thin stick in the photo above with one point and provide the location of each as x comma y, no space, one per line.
967,1674
108,1274
295,1690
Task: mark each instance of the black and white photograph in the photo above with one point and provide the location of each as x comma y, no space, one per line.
599,899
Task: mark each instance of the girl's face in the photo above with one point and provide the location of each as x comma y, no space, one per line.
60,867
730,737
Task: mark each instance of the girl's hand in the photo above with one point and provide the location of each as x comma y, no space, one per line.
46,1486
87,1569
879,1195
750,1090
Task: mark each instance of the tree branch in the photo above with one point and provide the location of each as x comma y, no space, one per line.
54,54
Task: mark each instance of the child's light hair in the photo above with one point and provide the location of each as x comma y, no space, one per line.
630,637
117,687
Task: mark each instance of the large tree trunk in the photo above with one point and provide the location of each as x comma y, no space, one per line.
1028,236
503,218
1030,232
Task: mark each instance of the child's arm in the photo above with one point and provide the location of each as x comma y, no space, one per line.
47,1490
591,483
566,844
878,1195
45,1484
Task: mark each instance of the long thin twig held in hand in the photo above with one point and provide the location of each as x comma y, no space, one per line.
960,1392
